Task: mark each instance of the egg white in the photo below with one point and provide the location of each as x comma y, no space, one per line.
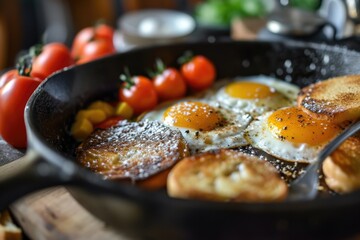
260,136
228,135
286,96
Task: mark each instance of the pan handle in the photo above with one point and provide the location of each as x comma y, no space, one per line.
28,174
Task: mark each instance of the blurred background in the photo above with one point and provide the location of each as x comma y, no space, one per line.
24,23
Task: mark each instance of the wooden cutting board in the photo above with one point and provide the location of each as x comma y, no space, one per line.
53,214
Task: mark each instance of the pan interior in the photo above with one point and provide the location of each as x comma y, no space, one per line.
54,105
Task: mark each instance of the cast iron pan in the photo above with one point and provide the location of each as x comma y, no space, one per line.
152,215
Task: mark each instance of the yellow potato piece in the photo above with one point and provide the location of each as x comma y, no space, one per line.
93,115
81,129
124,109
101,105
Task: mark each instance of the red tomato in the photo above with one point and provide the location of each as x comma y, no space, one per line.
199,72
141,96
53,57
105,32
7,76
80,40
89,34
170,84
94,50
13,98
111,121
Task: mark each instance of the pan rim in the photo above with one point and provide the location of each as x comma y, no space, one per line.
137,194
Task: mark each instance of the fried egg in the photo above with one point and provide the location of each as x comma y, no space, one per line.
290,134
255,95
203,125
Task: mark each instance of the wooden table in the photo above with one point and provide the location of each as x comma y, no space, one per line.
53,213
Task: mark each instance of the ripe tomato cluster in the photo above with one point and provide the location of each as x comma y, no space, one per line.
17,85
167,83
93,42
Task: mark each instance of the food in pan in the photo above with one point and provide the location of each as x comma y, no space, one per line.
101,115
336,100
255,95
204,131
198,71
218,120
165,78
132,150
139,92
204,125
342,167
290,134
299,133
226,175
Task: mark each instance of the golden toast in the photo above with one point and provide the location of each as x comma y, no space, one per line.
133,150
342,167
336,99
226,175
8,230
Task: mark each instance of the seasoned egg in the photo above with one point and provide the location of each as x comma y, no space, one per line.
290,134
203,125
255,94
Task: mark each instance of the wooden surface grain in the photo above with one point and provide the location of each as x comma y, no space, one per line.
53,214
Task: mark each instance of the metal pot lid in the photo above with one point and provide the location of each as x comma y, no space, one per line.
294,22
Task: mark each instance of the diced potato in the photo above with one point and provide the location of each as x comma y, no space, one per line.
93,115
101,105
81,129
124,109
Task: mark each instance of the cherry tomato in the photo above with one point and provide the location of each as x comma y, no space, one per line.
13,98
80,40
7,76
170,84
53,57
141,94
89,34
111,121
94,50
103,31
199,72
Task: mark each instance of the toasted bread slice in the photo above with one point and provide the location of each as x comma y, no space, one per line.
342,167
226,175
336,99
133,150
8,230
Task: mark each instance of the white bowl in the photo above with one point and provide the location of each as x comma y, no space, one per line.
155,26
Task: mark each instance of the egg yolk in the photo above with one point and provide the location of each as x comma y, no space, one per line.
294,125
249,90
193,115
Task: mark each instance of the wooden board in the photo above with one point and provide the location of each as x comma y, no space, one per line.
54,214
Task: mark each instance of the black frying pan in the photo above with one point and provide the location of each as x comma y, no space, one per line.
153,215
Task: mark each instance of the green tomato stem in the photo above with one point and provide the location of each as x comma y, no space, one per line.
126,79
